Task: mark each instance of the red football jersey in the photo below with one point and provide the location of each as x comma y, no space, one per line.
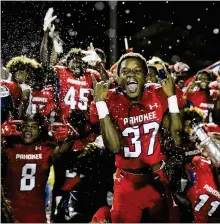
203,194
74,93
43,101
103,215
212,127
14,89
201,100
27,173
139,125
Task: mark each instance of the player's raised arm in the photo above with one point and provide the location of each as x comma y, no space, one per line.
111,136
48,19
174,121
49,31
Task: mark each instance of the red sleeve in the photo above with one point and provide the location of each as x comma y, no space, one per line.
180,98
189,80
94,73
164,99
94,119
212,127
16,92
213,85
102,215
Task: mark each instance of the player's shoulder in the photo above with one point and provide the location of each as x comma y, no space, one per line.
155,91
212,127
48,90
89,72
59,67
43,147
114,95
201,162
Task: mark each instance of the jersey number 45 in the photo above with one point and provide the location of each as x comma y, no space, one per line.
81,102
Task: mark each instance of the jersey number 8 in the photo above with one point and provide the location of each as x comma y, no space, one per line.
28,178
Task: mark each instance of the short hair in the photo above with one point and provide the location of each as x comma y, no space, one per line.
132,55
193,113
73,52
22,63
100,51
212,75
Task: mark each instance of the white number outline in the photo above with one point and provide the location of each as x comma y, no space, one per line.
25,177
135,130
69,99
36,108
203,199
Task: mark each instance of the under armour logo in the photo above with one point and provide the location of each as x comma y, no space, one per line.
118,179
155,105
37,147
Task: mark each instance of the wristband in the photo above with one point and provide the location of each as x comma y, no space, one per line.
102,109
173,104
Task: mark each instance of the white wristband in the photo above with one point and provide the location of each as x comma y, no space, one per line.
173,104
102,109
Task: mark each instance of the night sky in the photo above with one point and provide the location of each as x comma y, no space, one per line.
189,30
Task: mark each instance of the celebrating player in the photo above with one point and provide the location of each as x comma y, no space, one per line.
130,121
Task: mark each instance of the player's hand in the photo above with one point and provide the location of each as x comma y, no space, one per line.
168,85
9,128
89,149
90,47
48,19
100,89
91,57
180,67
61,131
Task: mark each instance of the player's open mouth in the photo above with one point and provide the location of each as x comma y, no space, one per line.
132,86
27,134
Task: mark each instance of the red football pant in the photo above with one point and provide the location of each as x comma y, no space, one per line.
134,193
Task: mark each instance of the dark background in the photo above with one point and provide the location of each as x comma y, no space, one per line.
164,24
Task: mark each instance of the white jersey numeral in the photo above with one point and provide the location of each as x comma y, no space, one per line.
203,199
135,131
70,98
28,177
36,108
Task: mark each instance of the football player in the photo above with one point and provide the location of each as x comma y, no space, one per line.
200,95
203,187
22,69
130,122
28,155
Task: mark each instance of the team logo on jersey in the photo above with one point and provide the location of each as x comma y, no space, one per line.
37,147
4,91
154,106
